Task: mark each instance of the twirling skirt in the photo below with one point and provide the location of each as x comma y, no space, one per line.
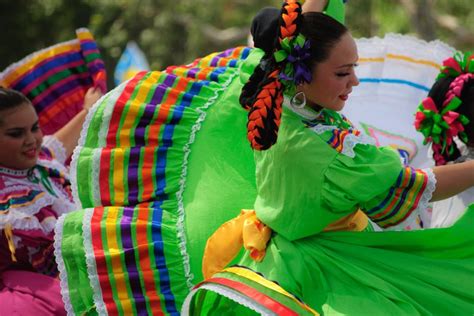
163,161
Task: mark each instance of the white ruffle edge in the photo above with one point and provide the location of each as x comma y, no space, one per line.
32,56
423,206
407,43
230,294
90,262
184,171
23,217
83,135
58,234
96,197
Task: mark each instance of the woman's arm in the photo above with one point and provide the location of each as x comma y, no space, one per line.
314,5
453,179
69,134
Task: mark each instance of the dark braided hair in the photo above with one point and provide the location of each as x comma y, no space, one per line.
438,93
262,95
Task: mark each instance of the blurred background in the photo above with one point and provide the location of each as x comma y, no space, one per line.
178,31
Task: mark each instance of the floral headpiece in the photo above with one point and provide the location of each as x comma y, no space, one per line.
294,54
440,126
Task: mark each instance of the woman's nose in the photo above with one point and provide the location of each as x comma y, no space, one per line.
30,138
355,80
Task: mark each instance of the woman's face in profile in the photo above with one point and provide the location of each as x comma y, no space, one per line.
334,78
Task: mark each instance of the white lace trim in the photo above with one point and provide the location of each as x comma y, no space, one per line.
23,217
350,141
58,236
82,140
27,221
48,223
55,145
230,294
96,197
63,206
32,56
320,128
13,188
107,114
73,174
184,170
409,42
53,164
90,262
423,205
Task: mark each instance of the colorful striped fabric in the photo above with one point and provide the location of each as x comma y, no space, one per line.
56,79
131,165
338,136
337,131
403,199
136,260
249,289
137,139
19,199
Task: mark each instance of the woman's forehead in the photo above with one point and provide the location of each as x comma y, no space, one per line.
19,116
344,53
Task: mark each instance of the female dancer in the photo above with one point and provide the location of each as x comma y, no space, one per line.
34,192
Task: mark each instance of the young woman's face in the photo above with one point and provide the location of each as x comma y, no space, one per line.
334,78
20,137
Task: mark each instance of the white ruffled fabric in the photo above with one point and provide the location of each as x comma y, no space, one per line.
350,141
395,73
53,144
230,294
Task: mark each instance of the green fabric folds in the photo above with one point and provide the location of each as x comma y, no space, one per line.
426,272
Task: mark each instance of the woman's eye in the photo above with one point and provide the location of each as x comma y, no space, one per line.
343,74
15,134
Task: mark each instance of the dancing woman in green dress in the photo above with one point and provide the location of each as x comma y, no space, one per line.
323,188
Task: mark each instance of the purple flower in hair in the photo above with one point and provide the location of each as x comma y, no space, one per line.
295,54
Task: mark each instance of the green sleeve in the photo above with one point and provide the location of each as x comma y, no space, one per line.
376,182
350,182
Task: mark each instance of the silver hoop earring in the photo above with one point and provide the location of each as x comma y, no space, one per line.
298,100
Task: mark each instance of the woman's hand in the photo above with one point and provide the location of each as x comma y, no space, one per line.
92,95
69,133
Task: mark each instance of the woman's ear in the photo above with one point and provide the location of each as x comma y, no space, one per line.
303,87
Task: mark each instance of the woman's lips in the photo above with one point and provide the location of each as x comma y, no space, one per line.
31,153
344,97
